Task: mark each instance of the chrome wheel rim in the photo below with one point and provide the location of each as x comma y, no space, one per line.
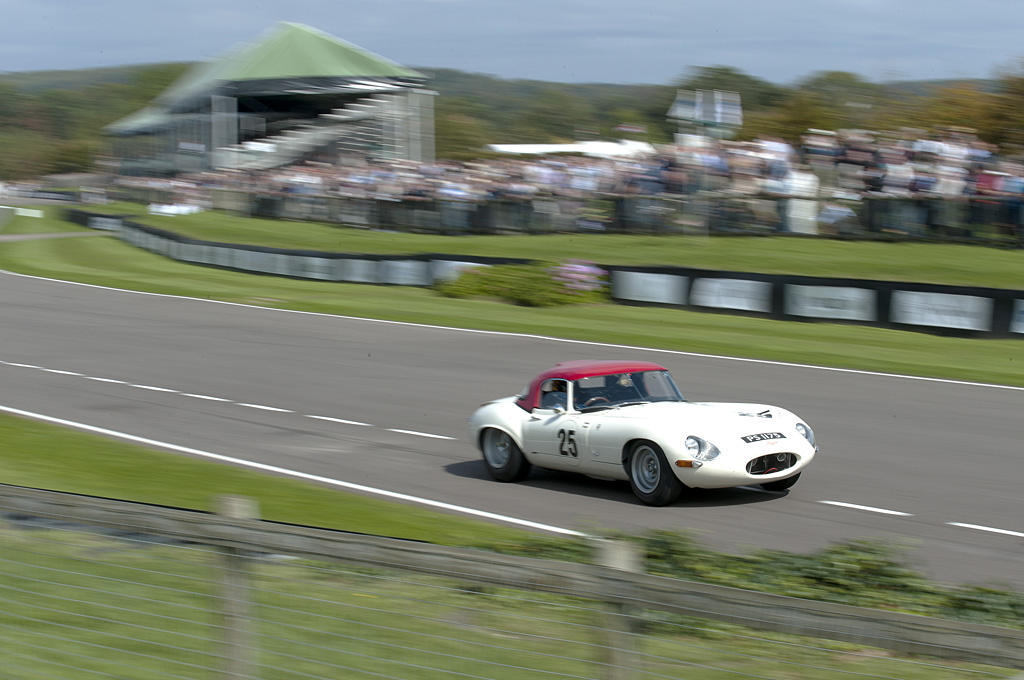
645,469
497,448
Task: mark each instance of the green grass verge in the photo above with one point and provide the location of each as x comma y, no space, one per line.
949,264
104,260
46,456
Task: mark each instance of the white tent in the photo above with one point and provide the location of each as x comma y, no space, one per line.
620,148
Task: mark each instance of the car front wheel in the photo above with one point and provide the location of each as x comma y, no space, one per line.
505,460
650,476
781,484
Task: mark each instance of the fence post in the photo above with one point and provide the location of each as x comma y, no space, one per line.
236,607
620,618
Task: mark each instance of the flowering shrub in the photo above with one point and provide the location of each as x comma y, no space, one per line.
541,284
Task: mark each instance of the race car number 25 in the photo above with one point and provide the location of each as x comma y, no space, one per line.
567,443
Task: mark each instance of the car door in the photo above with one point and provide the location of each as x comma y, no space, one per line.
551,438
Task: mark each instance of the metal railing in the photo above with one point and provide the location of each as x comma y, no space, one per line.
98,588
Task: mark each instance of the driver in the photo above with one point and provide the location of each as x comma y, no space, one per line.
554,394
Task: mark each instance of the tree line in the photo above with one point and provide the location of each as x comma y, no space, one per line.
52,122
498,111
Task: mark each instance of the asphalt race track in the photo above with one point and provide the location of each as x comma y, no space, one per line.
934,466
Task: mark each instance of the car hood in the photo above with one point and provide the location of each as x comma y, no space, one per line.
709,418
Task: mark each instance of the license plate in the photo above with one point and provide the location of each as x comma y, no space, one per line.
764,436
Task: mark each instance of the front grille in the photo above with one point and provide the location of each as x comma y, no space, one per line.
773,462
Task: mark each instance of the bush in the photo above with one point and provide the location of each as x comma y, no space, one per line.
541,284
984,604
859,573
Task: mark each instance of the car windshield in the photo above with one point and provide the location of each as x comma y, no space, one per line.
621,389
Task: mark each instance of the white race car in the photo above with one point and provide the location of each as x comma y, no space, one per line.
627,420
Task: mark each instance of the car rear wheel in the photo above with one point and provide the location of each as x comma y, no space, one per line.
781,484
505,460
650,477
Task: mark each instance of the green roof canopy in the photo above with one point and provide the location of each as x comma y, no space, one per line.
289,59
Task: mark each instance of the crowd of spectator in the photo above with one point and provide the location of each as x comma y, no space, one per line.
818,185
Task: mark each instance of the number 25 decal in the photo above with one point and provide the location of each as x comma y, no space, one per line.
567,447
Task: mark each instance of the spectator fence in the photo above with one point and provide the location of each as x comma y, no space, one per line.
981,220
99,588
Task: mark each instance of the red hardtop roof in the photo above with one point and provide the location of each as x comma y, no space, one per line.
574,370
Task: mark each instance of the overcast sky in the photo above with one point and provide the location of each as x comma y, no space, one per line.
621,41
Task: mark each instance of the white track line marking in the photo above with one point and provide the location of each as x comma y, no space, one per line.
988,529
587,343
341,420
267,408
154,389
262,407
867,508
418,434
294,473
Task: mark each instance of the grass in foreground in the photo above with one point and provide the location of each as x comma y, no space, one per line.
320,620
37,454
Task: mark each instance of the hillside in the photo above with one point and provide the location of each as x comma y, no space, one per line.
34,82
52,121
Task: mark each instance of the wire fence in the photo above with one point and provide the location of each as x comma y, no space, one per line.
101,589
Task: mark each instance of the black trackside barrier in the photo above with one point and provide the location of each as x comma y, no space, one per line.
422,269
961,310
910,306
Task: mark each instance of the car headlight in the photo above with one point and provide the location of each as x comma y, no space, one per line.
700,449
807,432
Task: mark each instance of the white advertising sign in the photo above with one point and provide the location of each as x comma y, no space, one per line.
749,296
449,270
358,271
942,310
105,223
831,302
405,272
669,289
1017,322
313,268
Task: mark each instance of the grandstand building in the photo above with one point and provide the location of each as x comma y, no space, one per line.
292,94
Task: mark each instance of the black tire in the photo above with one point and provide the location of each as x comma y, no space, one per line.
650,477
503,457
781,484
